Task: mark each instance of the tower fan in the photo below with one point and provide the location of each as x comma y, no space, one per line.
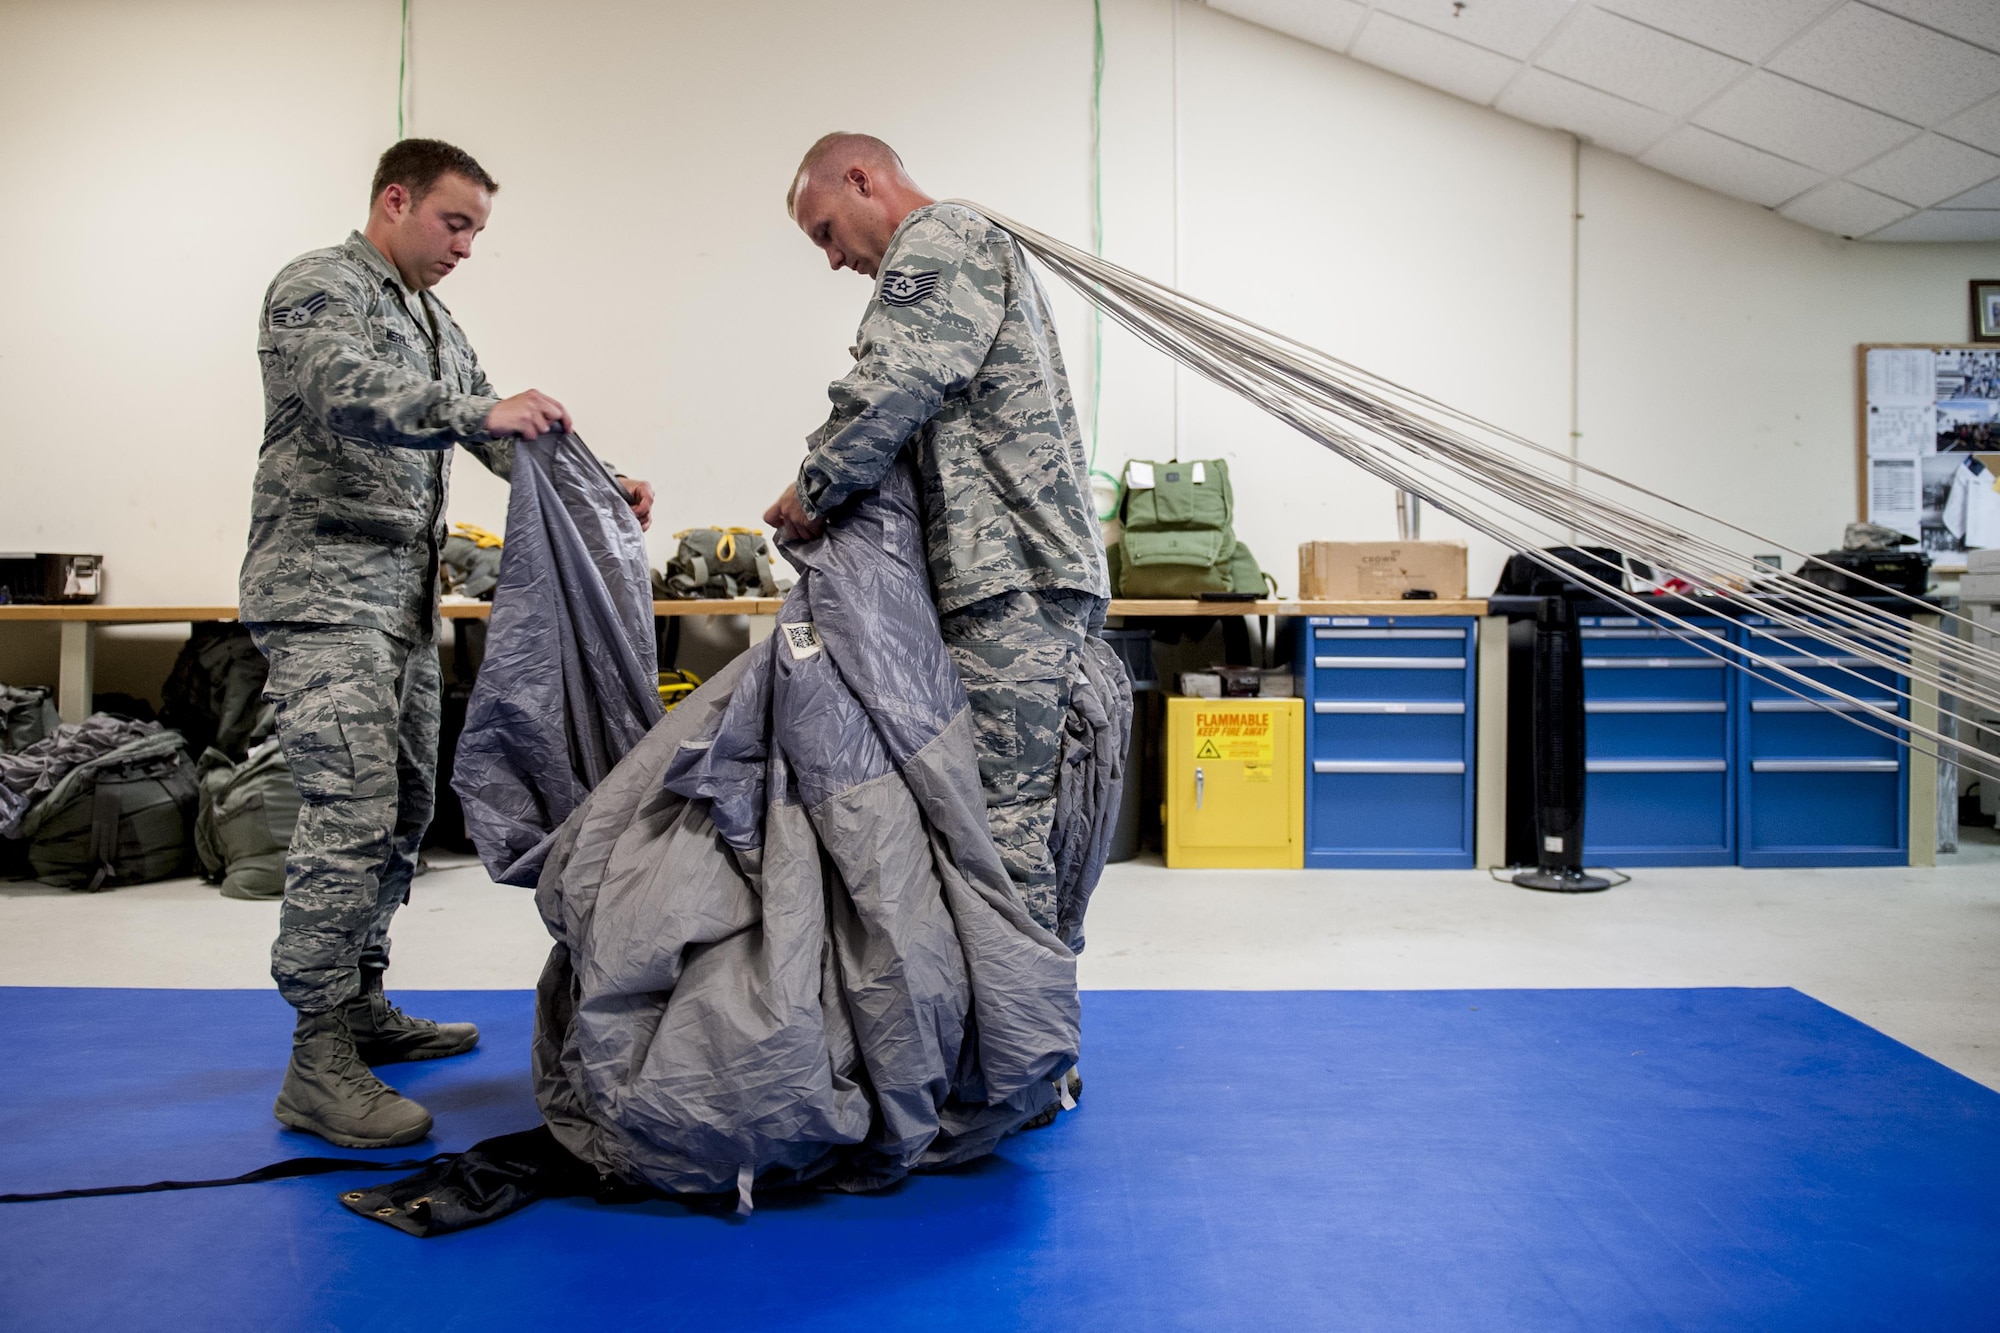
1559,754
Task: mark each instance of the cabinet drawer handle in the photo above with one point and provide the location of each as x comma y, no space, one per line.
1388,766
1825,765
1636,663
1372,634
1655,706
1388,708
1390,663
1815,706
1807,661
1656,765
1639,634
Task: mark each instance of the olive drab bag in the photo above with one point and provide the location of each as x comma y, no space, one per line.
27,714
122,818
214,696
720,562
1178,535
469,562
248,811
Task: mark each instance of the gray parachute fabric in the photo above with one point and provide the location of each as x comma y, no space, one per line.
571,677
1090,783
29,776
786,947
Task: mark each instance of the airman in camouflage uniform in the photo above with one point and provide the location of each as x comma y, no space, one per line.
957,359
368,386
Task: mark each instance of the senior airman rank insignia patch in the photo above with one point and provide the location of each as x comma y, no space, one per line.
907,288
300,315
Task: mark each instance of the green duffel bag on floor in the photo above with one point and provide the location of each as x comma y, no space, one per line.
248,811
121,818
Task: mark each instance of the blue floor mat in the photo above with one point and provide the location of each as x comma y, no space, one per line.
1590,1160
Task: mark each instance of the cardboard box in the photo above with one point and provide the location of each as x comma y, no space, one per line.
1380,571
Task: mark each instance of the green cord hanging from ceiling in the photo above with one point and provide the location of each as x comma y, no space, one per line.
402,67
1097,237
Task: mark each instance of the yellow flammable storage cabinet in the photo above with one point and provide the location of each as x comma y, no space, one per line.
1235,783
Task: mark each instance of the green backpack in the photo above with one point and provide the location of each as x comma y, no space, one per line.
248,811
121,818
1178,536
720,562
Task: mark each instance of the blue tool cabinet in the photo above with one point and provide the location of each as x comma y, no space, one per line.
1817,789
1389,740
1659,745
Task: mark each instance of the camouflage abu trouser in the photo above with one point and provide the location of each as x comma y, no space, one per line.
1017,654
358,719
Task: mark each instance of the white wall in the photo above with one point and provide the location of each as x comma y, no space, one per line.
1718,349
161,160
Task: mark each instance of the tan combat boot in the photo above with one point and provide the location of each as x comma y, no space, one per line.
329,1092
385,1035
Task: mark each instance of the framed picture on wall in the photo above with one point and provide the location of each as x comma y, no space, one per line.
1986,311
1929,446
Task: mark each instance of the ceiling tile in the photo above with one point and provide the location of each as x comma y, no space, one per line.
1611,122
1328,23
1430,57
1974,20
1802,123
1729,168
1511,27
1944,225
1746,30
1885,62
1986,196
1637,63
1979,127
1845,210
1926,170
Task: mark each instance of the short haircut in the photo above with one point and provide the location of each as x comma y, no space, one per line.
416,164
862,146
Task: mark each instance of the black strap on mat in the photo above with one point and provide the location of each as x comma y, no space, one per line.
288,1169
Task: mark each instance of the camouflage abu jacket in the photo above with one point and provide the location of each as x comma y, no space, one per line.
363,402
956,350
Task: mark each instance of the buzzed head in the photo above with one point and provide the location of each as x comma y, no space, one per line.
834,153
849,195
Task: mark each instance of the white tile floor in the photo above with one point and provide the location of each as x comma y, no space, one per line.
1912,952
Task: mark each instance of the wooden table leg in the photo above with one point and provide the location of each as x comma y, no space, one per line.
77,679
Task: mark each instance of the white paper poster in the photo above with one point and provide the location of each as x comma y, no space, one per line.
1901,432
1896,494
1902,376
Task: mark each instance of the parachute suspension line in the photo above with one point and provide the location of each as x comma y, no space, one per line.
1528,496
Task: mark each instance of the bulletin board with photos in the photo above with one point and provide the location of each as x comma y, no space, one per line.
1930,445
